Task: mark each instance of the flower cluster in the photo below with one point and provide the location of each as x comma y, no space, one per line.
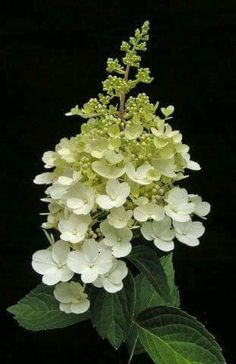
114,180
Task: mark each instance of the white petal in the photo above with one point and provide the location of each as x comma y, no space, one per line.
62,293
165,246
74,203
66,274
65,307
122,250
193,165
105,202
190,241
42,261
76,262
52,277
110,287
89,275
90,250
60,251
147,231
80,307
44,178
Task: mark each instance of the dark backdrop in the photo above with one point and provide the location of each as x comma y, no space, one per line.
53,56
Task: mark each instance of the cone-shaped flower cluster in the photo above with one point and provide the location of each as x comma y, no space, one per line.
117,178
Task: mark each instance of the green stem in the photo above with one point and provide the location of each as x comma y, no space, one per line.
122,97
133,350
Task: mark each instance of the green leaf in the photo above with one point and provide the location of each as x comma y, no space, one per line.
148,262
39,310
171,336
147,296
112,313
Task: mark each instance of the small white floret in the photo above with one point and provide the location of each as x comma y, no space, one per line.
72,297
188,232
51,263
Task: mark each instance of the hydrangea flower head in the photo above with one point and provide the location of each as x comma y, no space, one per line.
119,175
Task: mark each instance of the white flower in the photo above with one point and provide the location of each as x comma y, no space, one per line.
74,228
93,259
149,211
66,150
142,175
49,158
117,239
202,208
178,207
112,280
119,217
116,194
63,183
71,297
80,199
188,232
44,178
69,177
51,263
161,232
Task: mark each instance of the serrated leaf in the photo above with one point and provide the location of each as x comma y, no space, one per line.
171,336
147,296
39,310
148,262
112,313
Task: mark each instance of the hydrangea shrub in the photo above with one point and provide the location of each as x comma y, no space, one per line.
115,206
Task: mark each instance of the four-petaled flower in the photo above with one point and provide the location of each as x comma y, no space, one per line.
119,217
149,211
112,280
72,297
74,228
143,175
51,263
178,206
188,232
160,232
116,194
80,199
93,259
202,208
117,239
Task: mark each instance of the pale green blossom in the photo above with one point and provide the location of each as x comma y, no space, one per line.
116,194
141,175
160,232
74,228
112,280
90,261
188,232
178,206
117,239
72,297
119,217
149,211
202,208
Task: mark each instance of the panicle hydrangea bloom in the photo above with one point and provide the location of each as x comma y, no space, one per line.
117,179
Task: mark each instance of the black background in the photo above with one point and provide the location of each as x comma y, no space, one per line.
53,56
